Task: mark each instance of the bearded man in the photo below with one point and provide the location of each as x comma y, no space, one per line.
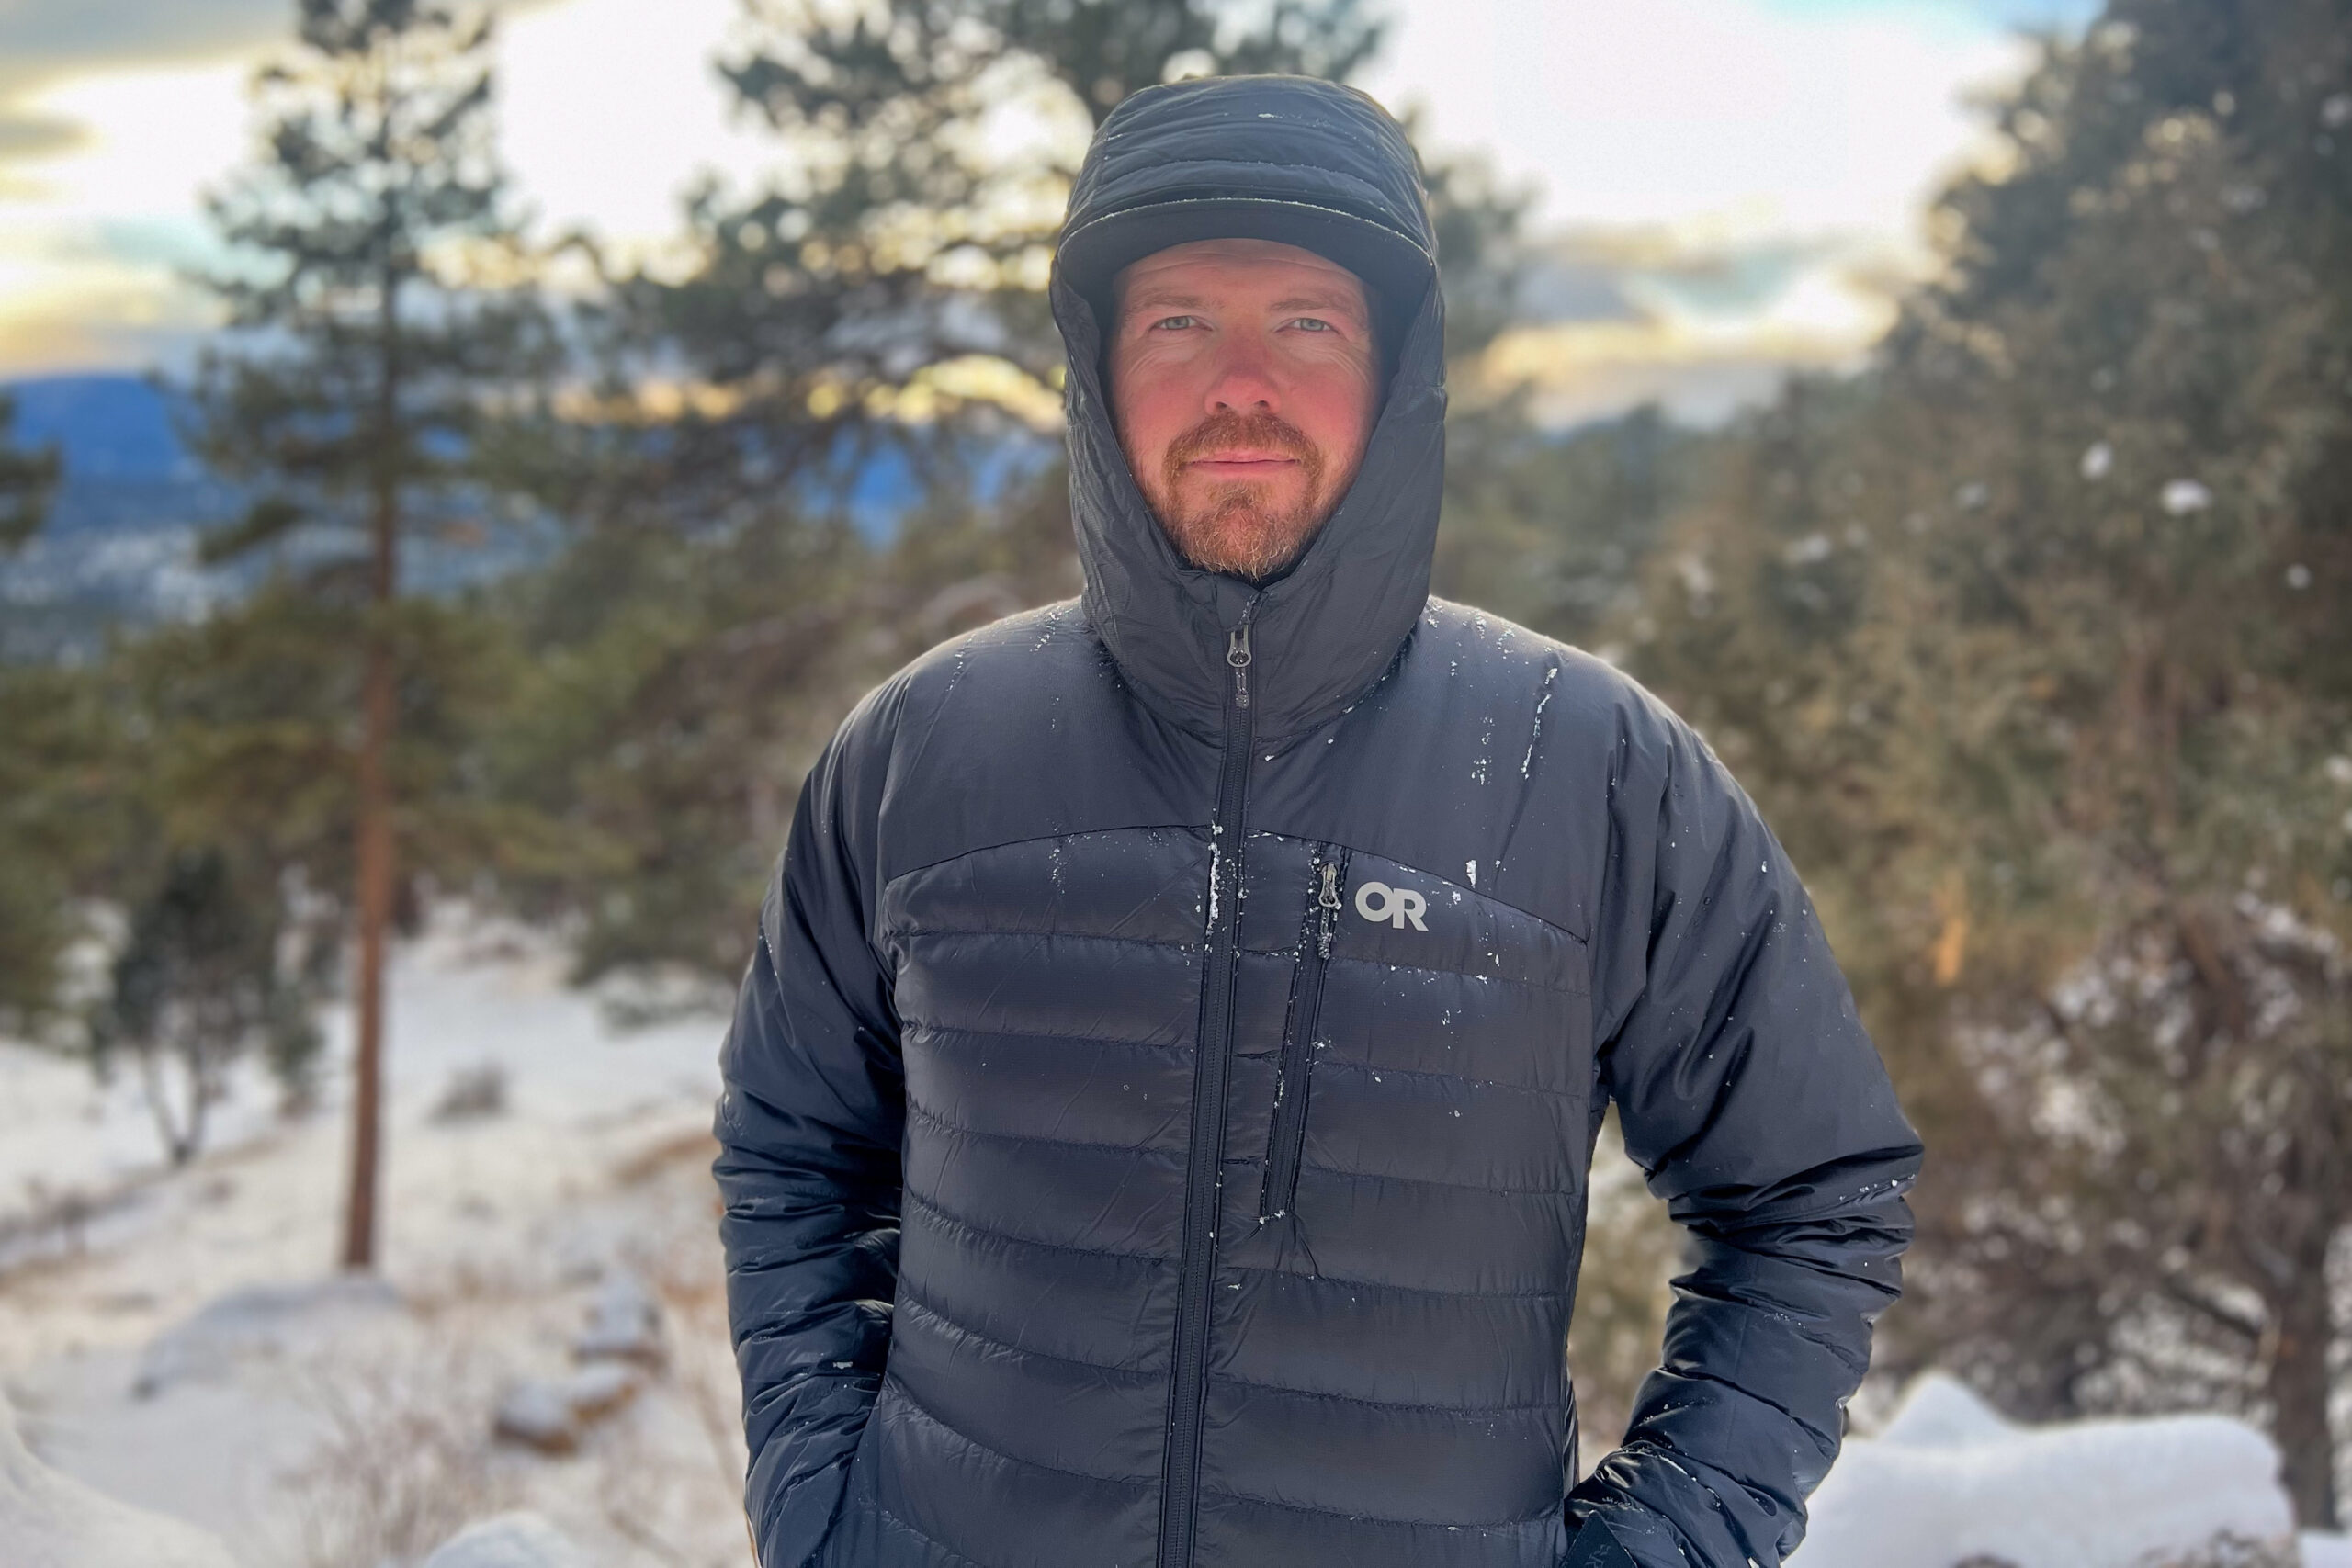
1158,1118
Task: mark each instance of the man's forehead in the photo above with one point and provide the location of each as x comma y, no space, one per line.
1209,263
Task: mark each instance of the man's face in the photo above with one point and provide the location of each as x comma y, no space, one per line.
1244,382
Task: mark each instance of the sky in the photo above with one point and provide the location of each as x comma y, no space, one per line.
1726,188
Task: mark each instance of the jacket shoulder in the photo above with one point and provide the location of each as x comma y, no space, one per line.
1494,654
1015,641
1018,653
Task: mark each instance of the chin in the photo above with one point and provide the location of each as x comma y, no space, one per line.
1241,529
1254,549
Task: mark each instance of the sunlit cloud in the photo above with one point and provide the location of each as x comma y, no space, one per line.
1700,362
609,110
1742,184
97,240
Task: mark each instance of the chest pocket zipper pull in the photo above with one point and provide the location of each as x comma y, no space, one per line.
1328,903
1287,1134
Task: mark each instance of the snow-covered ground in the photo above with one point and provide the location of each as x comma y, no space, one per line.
1948,1481
183,1344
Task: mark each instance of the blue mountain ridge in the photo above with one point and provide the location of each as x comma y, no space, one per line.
119,547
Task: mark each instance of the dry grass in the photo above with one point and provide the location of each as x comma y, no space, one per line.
404,1460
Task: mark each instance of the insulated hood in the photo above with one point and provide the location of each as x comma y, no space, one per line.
1323,167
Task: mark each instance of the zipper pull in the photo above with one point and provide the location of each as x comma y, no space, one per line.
1328,900
1237,653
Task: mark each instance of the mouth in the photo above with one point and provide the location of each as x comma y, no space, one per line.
1242,465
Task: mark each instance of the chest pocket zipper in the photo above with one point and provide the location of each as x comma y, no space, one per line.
1289,1132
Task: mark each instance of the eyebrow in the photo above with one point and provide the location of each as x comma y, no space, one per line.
1340,302
1154,299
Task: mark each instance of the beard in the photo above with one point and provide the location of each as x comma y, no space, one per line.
1246,527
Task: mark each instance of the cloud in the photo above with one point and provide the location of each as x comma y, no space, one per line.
1822,117
1734,188
57,35
98,233
46,41
1698,326
37,136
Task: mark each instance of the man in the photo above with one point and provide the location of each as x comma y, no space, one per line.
1158,1116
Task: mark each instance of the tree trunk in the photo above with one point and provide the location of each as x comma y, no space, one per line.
2298,1391
375,849
375,865
179,1147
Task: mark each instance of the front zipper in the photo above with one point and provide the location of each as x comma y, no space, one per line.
1204,1168
1289,1132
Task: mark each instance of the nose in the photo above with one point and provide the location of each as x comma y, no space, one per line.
1243,381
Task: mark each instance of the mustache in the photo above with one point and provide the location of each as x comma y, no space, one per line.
1234,428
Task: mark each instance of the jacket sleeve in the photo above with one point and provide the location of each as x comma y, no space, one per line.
811,1105
1760,1110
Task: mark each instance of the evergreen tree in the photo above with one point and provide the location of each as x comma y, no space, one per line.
55,784
26,481
200,979
2032,639
369,347
892,274
44,744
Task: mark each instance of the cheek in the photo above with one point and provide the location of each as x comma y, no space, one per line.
1152,410
1334,413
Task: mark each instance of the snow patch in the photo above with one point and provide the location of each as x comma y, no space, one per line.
259,1322
1949,1481
519,1540
2325,1550
49,1520
2181,497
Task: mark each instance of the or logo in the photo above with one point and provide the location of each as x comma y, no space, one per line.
1377,901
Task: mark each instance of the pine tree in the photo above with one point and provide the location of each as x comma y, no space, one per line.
370,346
33,929
199,981
891,277
28,478
2035,649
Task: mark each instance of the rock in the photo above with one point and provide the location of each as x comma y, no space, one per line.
623,1324
519,1540
472,1094
50,1520
257,1322
551,1413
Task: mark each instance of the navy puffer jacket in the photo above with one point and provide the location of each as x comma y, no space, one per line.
1157,1115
